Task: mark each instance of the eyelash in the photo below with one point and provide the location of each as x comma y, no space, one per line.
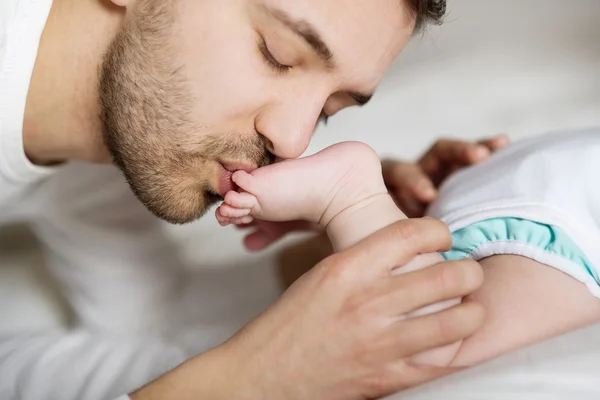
270,60
324,117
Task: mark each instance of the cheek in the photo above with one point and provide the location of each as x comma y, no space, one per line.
221,63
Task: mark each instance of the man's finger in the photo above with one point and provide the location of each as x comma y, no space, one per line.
400,375
395,245
415,375
412,336
408,292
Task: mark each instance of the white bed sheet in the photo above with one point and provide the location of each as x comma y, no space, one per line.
563,368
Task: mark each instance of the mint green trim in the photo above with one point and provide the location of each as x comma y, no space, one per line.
546,237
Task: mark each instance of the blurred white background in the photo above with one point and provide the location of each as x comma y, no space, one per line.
516,66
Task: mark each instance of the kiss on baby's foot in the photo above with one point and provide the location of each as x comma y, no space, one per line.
340,188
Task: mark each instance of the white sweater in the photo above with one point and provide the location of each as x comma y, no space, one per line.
117,270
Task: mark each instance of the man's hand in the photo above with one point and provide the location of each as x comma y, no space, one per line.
338,332
414,185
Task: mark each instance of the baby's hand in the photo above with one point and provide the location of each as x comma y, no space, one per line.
415,185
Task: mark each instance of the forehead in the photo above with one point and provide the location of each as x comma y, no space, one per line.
364,35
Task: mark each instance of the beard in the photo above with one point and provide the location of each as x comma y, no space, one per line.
147,127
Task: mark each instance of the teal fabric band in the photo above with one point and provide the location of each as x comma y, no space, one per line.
546,237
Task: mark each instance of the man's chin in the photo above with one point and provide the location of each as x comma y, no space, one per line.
179,210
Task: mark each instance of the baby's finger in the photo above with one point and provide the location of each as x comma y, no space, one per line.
259,240
409,180
267,233
496,143
233,212
475,153
241,200
481,150
221,219
410,205
444,152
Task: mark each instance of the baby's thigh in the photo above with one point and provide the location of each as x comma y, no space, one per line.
526,302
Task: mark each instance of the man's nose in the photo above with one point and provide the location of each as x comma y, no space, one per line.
289,126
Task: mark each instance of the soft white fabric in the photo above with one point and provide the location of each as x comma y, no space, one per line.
21,25
557,369
550,179
108,255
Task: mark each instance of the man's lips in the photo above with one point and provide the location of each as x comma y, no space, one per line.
224,181
238,166
225,172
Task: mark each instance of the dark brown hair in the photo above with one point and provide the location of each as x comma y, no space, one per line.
427,11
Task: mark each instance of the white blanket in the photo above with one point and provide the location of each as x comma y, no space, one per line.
559,369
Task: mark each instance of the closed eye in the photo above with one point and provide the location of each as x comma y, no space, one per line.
270,60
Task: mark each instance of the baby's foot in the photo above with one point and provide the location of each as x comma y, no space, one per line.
340,188
314,188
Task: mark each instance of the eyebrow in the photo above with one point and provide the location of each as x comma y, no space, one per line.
307,31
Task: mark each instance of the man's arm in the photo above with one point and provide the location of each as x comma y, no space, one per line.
118,273
337,332
78,365
114,263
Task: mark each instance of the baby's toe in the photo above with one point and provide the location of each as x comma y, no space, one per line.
241,200
223,220
233,212
242,220
242,179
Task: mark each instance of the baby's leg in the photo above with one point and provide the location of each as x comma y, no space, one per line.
342,189
536,199
526,302
366,217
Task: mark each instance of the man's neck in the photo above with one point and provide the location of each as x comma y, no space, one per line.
61,115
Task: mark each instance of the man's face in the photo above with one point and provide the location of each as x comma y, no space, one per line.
191,90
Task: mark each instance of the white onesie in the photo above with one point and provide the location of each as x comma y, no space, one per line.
538,198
